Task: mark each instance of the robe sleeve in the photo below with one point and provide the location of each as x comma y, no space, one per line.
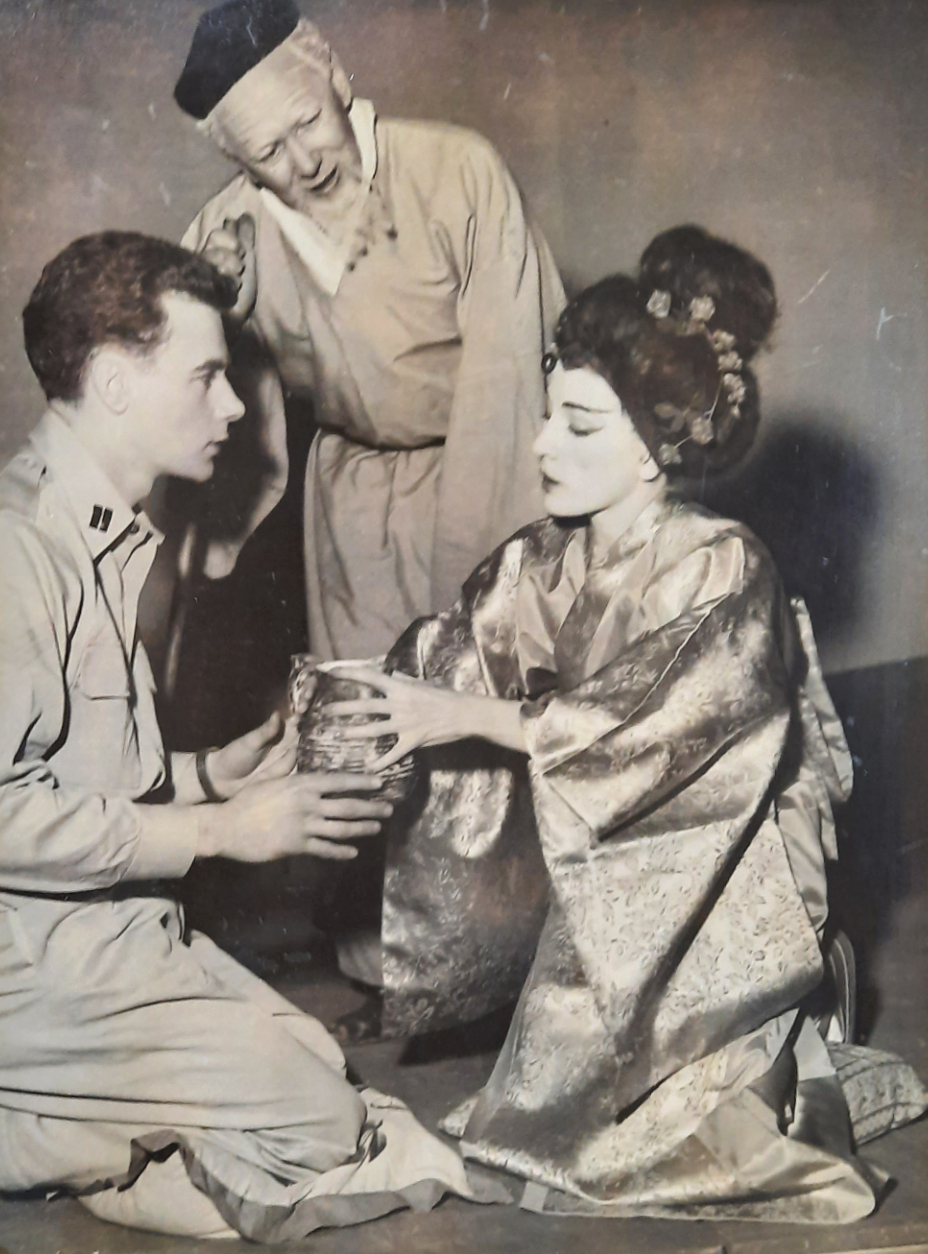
510,297
465,888
56,838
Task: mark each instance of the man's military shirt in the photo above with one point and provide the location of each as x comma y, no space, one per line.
80,746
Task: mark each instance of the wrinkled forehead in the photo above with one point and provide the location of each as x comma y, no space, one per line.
263,105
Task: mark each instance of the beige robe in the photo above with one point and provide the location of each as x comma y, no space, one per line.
424,371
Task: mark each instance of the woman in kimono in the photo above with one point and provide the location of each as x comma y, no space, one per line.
664,697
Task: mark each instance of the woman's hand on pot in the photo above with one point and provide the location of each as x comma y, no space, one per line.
420,715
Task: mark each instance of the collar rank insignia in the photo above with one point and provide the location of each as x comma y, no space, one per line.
100,518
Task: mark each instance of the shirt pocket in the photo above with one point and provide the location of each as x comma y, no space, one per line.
101,753
103,674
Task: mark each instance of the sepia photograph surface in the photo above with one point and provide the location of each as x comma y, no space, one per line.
631,927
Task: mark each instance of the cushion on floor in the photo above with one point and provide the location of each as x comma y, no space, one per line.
882,1091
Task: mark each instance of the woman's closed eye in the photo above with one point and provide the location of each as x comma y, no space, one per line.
582,420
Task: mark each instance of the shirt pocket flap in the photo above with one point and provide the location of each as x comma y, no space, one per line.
103,672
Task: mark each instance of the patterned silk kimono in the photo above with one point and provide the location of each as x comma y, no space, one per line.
683,758
419,342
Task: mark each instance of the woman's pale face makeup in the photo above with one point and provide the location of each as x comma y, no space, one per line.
592,459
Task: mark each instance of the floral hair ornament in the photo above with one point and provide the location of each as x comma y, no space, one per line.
730,364
730,367
658,305
734,386
698,428
701,309
669,454
724,344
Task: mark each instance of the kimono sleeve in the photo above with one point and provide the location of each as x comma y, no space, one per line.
465,888
654,783
649,723
470,647
510,296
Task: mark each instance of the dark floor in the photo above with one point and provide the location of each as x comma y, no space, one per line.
883,898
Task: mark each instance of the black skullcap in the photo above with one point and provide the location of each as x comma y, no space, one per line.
229,41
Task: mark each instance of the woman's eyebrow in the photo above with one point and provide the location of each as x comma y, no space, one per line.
585,409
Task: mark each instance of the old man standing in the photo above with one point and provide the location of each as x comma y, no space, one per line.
387,270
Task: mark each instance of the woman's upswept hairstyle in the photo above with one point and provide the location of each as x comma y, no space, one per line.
675,344
107,289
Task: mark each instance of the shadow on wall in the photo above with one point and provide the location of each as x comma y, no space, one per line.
233,636
240,632
884,833
813,498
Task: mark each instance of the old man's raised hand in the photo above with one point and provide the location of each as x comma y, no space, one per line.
231,249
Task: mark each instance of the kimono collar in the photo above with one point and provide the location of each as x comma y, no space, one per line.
640,532
101,513
325,260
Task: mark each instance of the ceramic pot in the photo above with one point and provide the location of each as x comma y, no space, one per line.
322,747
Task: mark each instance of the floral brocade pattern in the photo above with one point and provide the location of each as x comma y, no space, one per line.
683,761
